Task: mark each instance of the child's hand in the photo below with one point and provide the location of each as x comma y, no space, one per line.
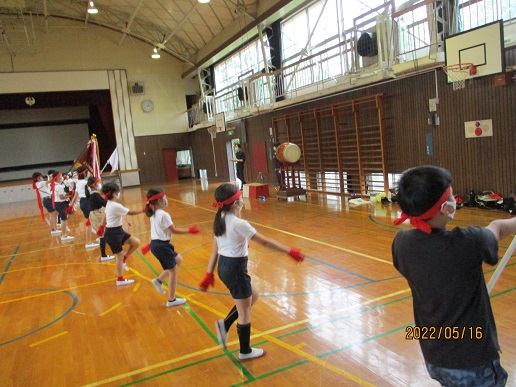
194,229
208,280
296,254
101,230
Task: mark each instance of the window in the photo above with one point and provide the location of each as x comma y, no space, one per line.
240,65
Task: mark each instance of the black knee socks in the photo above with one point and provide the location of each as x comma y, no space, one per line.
244,337
231,318
102,247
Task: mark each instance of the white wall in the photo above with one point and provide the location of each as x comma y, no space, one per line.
97,48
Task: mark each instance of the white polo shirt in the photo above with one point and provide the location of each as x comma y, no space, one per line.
160,223
58,191
44,189
80,187
115,213
234,242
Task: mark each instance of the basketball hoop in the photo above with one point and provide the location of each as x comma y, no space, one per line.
458,73
213,132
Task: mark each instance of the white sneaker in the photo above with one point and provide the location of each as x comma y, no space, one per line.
255,353
124,282
126,268
107,258
177,301
67,238
55,232
91,245
158,286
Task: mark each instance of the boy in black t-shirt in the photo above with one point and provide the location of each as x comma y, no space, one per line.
444,271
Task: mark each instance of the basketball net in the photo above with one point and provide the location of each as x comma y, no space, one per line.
458,73
213,132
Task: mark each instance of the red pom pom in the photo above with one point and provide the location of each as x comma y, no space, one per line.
146,248
100,230
88,223
208,280
70,210
194,229
296,254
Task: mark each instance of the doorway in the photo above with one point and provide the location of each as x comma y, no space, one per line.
185,169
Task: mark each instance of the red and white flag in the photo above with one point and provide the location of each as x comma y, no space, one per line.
90,157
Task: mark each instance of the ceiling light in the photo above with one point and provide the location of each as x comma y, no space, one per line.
155,54
203,1
91,8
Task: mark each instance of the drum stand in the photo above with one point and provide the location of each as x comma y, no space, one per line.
290,182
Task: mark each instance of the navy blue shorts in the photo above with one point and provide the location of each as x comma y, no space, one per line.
490,375
61,209
164,251
47,203
85,207
115,237
233,273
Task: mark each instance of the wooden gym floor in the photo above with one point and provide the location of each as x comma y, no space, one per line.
337,319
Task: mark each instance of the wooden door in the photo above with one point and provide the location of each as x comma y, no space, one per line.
169,164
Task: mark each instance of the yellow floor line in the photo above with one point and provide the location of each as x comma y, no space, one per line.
110,309
48,339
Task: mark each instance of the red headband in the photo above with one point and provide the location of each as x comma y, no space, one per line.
155,197
419,221
152,198
230,200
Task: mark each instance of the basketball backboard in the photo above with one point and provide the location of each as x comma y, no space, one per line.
481,46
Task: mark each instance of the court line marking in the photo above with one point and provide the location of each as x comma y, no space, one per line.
6,269
48,339
255,335
110,309
57,291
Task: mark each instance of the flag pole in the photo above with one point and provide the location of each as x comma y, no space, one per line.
501,265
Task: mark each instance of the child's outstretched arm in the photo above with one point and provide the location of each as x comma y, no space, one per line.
192,230
136,212
272,244
502,228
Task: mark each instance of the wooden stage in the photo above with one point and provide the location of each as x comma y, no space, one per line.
337,319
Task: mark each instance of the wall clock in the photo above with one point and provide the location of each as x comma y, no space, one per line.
147,106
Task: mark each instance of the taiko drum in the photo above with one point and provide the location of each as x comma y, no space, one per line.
288,153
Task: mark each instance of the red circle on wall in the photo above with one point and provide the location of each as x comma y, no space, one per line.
478,131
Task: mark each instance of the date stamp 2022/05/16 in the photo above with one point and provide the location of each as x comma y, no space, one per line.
446,333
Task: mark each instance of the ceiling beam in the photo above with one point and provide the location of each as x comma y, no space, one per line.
131,19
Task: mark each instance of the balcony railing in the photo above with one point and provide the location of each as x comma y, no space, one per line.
403,36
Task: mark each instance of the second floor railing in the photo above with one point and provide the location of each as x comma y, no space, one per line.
403,35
